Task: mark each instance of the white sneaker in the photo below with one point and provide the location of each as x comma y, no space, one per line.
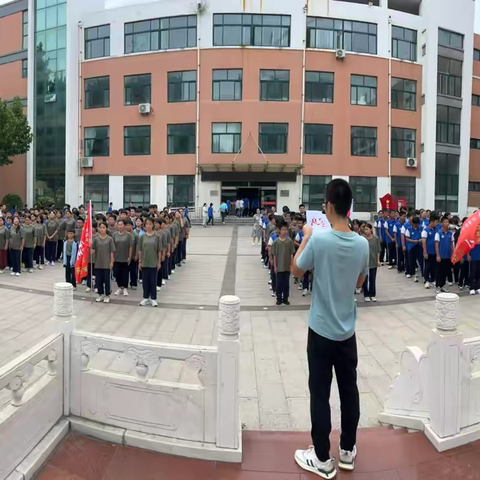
390,267
144,302
173,271
347,459
100,298
478,291
427,285
40,267
408,276
269,282
88,290
30,270
358,291
472,292
368,299
154,303
96,290
18,274
300,286
106,299
1,271
416,279
273,294
12,274
307,460
304,294
163,281
158,289
450,284
374,299
118,292
52,264
125,293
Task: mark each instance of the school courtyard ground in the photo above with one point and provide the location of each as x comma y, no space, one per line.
273,367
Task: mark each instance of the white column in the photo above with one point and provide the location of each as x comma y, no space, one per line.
115,191
158,190
384,186
293,200
228,421
31,102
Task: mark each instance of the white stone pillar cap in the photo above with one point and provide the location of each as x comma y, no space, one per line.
63,286
447,297
228,299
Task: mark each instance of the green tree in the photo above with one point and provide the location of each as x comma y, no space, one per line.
15,132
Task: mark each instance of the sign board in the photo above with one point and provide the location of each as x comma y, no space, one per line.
318,221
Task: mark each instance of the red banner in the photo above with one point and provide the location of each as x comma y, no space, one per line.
469,237
81,264
386,201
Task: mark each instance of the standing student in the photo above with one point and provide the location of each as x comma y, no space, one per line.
444,243
381,234
305,282
188,226
149,262
374,246
429,252
123,256
60,236
40,239
103,249
413,237
52,239
28,235
474,281
79,229
4,235
397,230
271,265
282,251
133,267
70,248
257,228
91,264
16,246
182,231
390,239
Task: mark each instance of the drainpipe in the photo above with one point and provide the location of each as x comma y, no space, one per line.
302,123
197,128
80,102
390,105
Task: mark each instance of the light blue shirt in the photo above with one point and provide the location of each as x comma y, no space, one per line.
338,259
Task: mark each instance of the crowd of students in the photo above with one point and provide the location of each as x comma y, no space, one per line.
129,245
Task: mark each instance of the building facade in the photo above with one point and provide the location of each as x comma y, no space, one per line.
185,102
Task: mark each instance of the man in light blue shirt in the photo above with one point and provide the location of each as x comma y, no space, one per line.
339,258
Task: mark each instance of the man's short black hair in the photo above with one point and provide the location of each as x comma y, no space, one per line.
415,220
339,194
301,205
434,217
285,209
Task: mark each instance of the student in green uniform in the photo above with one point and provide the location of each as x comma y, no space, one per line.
282,251
61,236
79,229
70,248
4,235
133,267
123,256
28,236
40,239
52,237
69,223
104,250
91,264
158,222
16,245
149,260
111,229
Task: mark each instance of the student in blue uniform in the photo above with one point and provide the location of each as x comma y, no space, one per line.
475,270
390,239
397,231
429,253
413,238
444,244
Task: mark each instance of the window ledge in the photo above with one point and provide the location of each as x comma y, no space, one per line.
451,97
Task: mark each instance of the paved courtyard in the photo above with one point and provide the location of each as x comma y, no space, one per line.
273,367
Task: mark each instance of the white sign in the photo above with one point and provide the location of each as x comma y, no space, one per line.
318,221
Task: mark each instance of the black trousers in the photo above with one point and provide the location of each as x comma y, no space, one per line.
392,257
184,249
444,268
431,268
102,281
306,280
383,249
89,276
70,272
133,272
27,258
210,219
416,256
179,252
164,268
464,273
39,255
474,275
51,250
370,284
15,256
400,259
59,249
121,274
223,216
273,277
283,286
323,356
159,276
149,277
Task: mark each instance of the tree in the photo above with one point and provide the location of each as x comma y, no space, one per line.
15,132
12,200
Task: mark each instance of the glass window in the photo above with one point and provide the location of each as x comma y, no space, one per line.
363,90
182,86
448,124
97,92
96,190
274,85
449,77
446,182
136,190
364,193
404,143
329,33
246,29
136,140
319,87
476,100
404,43
97,141
314,188
25,68
404,94
318,139
450,39
475,143
227,85
226,137
181,138
138,89
161,34
180,190
273,137
404,187
476,54
364,141
474,186
97,42
25,29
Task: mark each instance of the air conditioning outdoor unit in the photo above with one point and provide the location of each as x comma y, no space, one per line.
340,54
86,162
412,163
144,109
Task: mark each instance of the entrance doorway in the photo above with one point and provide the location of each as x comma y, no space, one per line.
258,194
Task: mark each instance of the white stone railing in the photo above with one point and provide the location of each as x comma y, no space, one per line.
438,391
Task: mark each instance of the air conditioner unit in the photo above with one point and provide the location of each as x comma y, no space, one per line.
412,163
340,54
86,162
144,109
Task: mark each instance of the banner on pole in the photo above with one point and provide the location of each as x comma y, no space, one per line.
81,263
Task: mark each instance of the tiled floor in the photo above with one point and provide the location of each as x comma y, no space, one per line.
384,454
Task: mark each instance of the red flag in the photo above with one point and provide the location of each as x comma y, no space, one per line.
81,264
469,237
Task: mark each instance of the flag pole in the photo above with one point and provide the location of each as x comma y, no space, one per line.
89,264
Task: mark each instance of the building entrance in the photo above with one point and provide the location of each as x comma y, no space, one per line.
254,194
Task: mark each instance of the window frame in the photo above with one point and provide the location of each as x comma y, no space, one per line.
25,68
262,136
396,94
370,89
309,87
274,84
319,200
88,142
448,180
372,184
475,100
102,188
474,186
396,41
309,139
171,181
220,81
148,86
127,137
357,140
105,42
127,199
408,185
25,29
474,144
402,145
449,81
236,140
451,128
476,54
190,143
171,83
87,91
451,35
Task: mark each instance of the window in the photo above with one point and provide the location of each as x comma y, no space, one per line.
446,182
161,34
448,124
226,137
136,190
180,190
318,139
97,141
475,143
25,29
404,43
227,85
314,188
476,54
138,89
476,100
330,33
97,42
97,92
404,187
450,39
182,86
244,29
319,87
273,137
181,138
96,190
474,186
274,85
25,68
136,140
364,193
404,143
404,94
364,141
363,90
449,77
